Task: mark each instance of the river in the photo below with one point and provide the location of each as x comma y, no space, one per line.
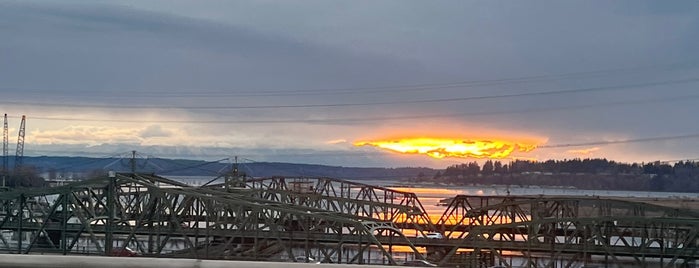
431,194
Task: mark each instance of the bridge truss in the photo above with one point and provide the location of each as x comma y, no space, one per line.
361,200
163,218
538,231
338,221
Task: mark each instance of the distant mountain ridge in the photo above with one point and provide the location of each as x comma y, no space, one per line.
62,166
578,173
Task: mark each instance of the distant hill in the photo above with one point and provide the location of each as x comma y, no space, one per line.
56,166
683,176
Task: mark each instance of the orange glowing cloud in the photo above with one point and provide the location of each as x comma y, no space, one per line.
445,147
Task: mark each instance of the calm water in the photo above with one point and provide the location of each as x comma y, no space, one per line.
431,194
445,191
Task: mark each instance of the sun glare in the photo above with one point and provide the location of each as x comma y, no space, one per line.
444,148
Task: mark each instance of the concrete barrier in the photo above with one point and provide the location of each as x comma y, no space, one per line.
69,261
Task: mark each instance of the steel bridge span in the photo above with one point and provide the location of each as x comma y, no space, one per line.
337,221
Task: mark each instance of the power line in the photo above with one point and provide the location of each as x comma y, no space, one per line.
357,90
688,136
85,161
355,153
678,160
385,118
197,166
485,97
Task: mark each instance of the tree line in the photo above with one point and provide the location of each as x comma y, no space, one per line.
583,173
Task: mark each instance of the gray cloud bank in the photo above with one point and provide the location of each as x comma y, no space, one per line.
233,53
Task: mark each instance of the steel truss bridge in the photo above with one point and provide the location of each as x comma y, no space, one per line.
338,221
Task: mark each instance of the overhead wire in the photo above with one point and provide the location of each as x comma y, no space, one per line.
354,104
357,90
563,145
197,166
121,156
365,153
295,172
385,118
513,95
692,159
651,139
87,161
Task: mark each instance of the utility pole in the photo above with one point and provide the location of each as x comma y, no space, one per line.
4,152
236,178
19,155
133,162
110,209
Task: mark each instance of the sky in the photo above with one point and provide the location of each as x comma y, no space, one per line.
303,81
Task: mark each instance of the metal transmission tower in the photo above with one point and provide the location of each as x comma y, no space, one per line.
5,144
20,145
235,179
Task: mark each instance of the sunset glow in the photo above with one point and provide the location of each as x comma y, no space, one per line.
443,147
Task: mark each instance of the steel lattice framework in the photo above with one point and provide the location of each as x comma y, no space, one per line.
160,217
338,221
379,204
567,232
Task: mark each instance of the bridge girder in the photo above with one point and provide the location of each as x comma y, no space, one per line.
363,201
151,214
568,231
337,221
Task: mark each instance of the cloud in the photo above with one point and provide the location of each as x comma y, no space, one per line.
337,141
103,48
458,148
84,135
586,151
155,131
200,55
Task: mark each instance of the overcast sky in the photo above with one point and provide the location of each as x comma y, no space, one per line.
300,81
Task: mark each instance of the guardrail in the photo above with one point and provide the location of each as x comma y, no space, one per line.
60,261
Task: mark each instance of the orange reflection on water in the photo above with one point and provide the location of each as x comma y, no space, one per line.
428,192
